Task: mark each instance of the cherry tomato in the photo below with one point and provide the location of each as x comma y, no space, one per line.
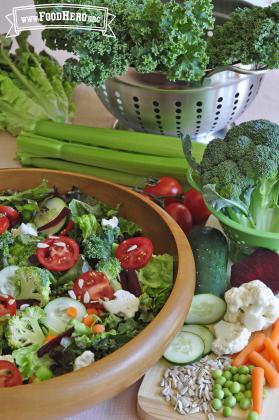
9,374
7,305
182,215
68,228
195,203
4,224
134,252
92,286
12,214
58,254
165,187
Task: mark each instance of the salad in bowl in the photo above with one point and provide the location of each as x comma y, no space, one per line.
77,282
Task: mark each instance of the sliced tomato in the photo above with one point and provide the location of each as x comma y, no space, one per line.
4,224
68,228
91,287
58,254
9,374
7,305
134,252
12,214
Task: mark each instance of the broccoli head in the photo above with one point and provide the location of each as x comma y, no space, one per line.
20,253
240,174
33,283
111,268
26,328
96,247
6,240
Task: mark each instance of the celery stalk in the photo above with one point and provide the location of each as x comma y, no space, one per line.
135,163
109,175
143,143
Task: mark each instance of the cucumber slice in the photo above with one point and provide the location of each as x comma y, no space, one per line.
206,309
52,216
185,348
56,313
204,333
7,286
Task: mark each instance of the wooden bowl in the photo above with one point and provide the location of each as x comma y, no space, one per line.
106,378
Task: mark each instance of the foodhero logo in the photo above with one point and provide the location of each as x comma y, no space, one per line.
68,16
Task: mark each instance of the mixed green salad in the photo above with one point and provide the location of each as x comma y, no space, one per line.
77,281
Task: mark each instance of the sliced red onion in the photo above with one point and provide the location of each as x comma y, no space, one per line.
33,260
133,283
124,280
64,213
29,302
54,342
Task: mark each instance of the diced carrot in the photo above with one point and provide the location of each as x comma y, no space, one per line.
93,311
274,337
72,312
257,388
271,375
256,344
98,329
50,337
272,351
88,320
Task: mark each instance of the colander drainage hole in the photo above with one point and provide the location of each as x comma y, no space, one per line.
237,95
220,99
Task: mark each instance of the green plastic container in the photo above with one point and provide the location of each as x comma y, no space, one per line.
243,239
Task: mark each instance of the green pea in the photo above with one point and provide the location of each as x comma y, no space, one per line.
216,404
230,402
264,393
248,394
244,369
233,370
235,377
219,394
249,386
227,392
227,374
239,396
228,384
244,403
244,379
253,415
227,412
217,373
217,386
242,387
250,368
221,380
235,388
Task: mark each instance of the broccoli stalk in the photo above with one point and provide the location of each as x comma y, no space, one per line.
26,328
239,175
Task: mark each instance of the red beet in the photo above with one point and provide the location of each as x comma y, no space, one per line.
262,265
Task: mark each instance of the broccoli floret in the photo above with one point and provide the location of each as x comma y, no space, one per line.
20,253
26,328
6,240
96,247
244,184
111,268
33,283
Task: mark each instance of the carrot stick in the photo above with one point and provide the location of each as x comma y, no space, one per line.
256,344
274,337
88,320
257,388
272,350
271,375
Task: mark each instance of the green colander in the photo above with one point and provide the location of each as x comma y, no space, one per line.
243,239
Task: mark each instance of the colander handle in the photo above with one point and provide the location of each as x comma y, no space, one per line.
236,70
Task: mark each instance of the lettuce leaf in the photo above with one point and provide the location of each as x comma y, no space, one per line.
28,362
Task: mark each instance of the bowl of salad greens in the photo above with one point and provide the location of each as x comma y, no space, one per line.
95,280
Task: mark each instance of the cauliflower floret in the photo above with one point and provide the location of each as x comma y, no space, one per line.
25,229
113,222
125,303
85,359
230,338
253,304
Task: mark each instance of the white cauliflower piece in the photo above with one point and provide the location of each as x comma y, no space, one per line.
252,304
125,304
113,222
84,360
230,338
25,229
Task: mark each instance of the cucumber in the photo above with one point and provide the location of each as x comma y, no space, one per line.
52,216
56,313
185,348
206,309
7,286
211,253
202,332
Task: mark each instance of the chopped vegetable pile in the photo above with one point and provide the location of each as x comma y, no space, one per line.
77,281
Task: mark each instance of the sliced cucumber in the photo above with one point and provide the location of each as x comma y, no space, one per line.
185,348
206,309
7,286
56,313
52,216
202,332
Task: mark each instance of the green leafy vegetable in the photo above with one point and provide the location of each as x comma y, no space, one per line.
32,87
28,361
88,225
36,194
129,228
